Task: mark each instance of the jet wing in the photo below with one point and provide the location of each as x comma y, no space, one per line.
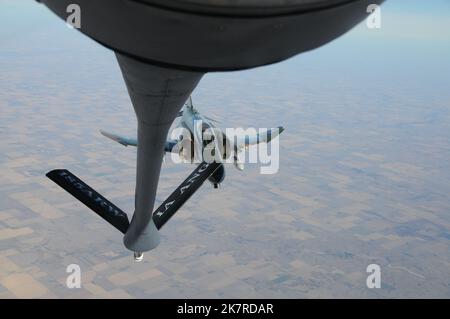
170,144
263,136
119,139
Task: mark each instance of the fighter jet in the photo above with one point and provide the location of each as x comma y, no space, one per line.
191,146
164,47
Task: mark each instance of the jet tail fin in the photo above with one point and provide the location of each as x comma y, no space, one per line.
189,102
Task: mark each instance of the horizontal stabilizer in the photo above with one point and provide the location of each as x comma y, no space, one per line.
190,185
85,194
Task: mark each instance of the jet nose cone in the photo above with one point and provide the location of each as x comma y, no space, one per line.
280,129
